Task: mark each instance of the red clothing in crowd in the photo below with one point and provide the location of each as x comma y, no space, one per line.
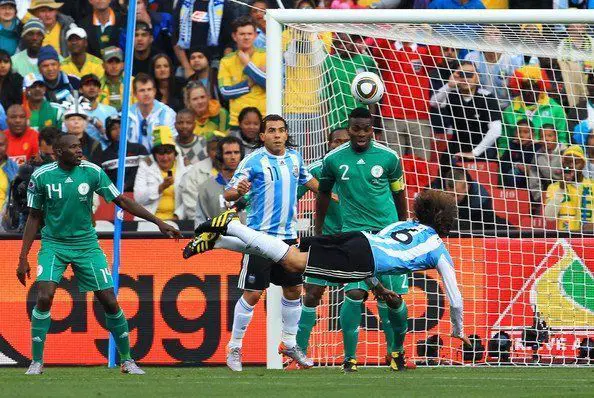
23,148
405,71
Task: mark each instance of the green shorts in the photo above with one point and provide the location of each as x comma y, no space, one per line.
320,282
396,283
89,265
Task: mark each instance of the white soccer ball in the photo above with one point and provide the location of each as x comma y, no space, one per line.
367,87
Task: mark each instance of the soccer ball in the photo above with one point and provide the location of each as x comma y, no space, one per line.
367,87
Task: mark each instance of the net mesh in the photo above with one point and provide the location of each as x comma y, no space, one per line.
487,112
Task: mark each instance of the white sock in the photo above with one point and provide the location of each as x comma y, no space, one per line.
242,316
291,312
264,245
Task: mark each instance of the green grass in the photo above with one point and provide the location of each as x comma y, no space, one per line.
259,382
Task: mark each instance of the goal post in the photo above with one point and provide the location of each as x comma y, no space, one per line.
528,287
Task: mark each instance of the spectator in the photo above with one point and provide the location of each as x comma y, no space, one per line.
157,184
32,36
109,160
160,27
11,83
576,53
75,122
211,117
41,113
456,5
56,24
210,31
112,84
22,140
8,171
589,149
143,48
192,147
440,119
10,27
90,85
340,68
18,211
199,61
60,86
475,206
570,201
250,120
169,87
258,14
79,62
210,200
519,157
197,174
78,10
242,79
494,69
548,162
405,106
103,26
475,113
147,112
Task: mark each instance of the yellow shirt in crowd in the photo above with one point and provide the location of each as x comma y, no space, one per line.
52,38
166,206
577,206
93,65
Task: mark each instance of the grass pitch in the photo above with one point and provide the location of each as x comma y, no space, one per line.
258,382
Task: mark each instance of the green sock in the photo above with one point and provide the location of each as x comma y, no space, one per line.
399,322
118,326
350,319
306,324
384,314
40,324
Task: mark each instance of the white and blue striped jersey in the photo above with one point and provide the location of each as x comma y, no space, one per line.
409,246
273,195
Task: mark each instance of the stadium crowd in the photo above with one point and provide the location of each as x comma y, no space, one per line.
199,94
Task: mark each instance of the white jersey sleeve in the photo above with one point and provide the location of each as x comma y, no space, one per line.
448,276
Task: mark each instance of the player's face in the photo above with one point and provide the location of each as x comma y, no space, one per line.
250,125
70,152
198,99
231,156
113,67
360,132
339,137
244,37
145,92
275,137
184,124
50,69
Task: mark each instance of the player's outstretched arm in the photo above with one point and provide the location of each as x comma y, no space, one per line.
448,276
31,228
134,208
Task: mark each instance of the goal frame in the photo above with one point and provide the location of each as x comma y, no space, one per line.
276,18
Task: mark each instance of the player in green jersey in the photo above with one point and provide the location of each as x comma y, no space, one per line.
369,178
61,195
315,287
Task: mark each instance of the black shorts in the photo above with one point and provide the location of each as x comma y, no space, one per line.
342,258
258,272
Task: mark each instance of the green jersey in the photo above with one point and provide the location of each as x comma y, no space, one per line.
332,222
340,72
66,199
365,181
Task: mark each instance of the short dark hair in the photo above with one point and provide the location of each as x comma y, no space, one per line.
230,139
360,113
242,21
333,131
248,109
436,209
49,135
185,111
452,176
143,78
273,117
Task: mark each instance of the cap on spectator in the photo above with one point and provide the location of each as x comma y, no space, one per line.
162,135
75,111
575,151
35,4
200,49
30,79
8,2
47,53
141,25
112,52
530,72
90,78
76,31
110,122
32,25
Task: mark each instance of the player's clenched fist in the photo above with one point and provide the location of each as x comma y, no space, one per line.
23,271
243,187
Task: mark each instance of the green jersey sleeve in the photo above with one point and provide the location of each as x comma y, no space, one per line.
105,188
34,194
395,175
327,178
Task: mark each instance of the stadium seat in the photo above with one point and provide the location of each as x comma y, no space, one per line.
485,173
104,226
511,204
145,226
418,173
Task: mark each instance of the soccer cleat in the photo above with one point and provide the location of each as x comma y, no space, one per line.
398,362
36,368
200,244
297,355
349,365
217,224
130,367
234,359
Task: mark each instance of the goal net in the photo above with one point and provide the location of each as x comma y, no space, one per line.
500,114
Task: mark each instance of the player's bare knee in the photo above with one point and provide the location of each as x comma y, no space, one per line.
357,294
44,300
252,296
108,300
292,292
313,295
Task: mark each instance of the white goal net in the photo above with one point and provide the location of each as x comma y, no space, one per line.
501,115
